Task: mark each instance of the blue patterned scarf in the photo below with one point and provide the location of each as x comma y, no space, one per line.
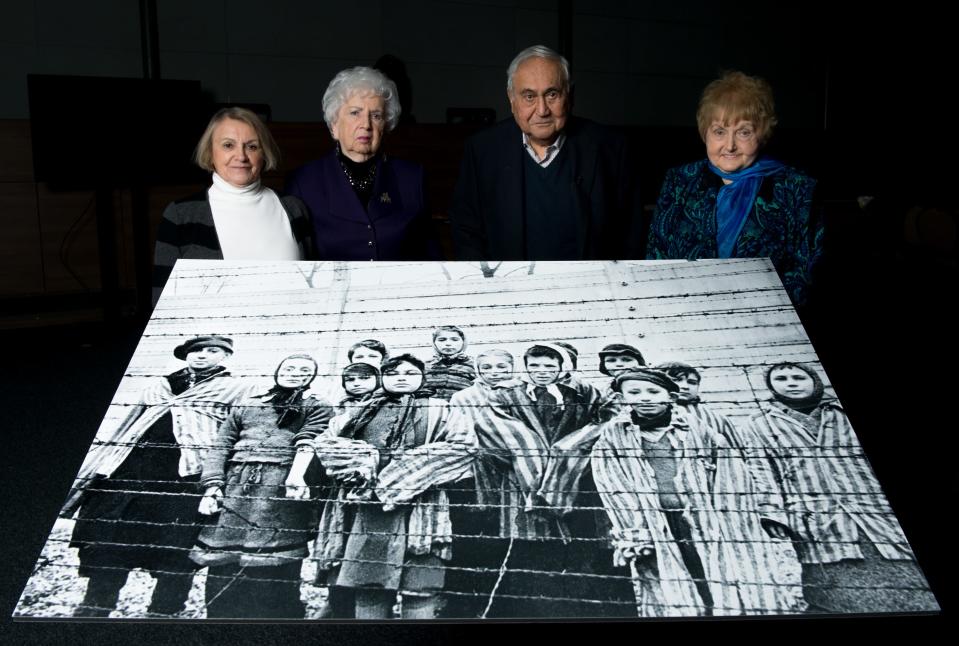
735,200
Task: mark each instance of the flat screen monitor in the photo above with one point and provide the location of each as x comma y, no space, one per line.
99,131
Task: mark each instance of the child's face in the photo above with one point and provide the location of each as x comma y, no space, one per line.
203,358
646,398
295,373
448,343
356,384
402,378
792,382
618,363
688,385
366,355
542,370
494,369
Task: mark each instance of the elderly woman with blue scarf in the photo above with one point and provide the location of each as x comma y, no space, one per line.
738,203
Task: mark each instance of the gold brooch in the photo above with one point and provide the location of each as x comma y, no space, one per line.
385,198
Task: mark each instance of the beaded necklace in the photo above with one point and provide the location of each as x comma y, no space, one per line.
360,175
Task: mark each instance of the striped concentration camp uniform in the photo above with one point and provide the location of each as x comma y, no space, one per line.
854,554
744,570
196,415
557,566
820,484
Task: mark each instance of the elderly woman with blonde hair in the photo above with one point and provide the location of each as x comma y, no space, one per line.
237,218
739,203
365,204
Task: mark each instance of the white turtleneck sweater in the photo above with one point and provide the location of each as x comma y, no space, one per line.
251,223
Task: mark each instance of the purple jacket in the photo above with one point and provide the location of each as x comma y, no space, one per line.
396,225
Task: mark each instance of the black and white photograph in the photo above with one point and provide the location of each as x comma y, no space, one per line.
474,441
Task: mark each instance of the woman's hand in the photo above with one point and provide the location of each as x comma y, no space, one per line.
297,488
210,502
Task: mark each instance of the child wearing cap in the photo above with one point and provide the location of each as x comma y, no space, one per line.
680,499
136,489
615,359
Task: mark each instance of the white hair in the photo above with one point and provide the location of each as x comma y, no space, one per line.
537,51
362,80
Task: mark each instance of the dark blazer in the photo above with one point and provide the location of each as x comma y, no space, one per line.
395,226
488,203
187,231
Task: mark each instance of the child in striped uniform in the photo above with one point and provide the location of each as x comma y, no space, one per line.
680,500
478,549
820,487
557,567
136,490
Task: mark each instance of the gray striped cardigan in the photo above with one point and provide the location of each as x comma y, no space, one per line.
187,231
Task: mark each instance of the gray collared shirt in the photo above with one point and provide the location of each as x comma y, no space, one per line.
551,151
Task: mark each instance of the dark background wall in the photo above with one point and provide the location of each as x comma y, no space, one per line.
638,63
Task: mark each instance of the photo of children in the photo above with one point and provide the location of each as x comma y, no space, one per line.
419,441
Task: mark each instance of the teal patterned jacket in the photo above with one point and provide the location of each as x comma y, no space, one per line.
783,224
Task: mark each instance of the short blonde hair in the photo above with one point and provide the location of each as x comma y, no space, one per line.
735,96
203,155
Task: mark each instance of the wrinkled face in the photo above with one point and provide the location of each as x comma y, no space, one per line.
365,355
494,369
448,343
540,100
403,378
731,147
543,371
237,155
617,363
356,384
647,399
792,382
203,358
295,373
688,386
359,125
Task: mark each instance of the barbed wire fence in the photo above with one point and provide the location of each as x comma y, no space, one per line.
59,561
732,321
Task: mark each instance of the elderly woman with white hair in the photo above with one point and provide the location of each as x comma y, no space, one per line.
365,205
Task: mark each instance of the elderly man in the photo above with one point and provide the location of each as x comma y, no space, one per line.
544,185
